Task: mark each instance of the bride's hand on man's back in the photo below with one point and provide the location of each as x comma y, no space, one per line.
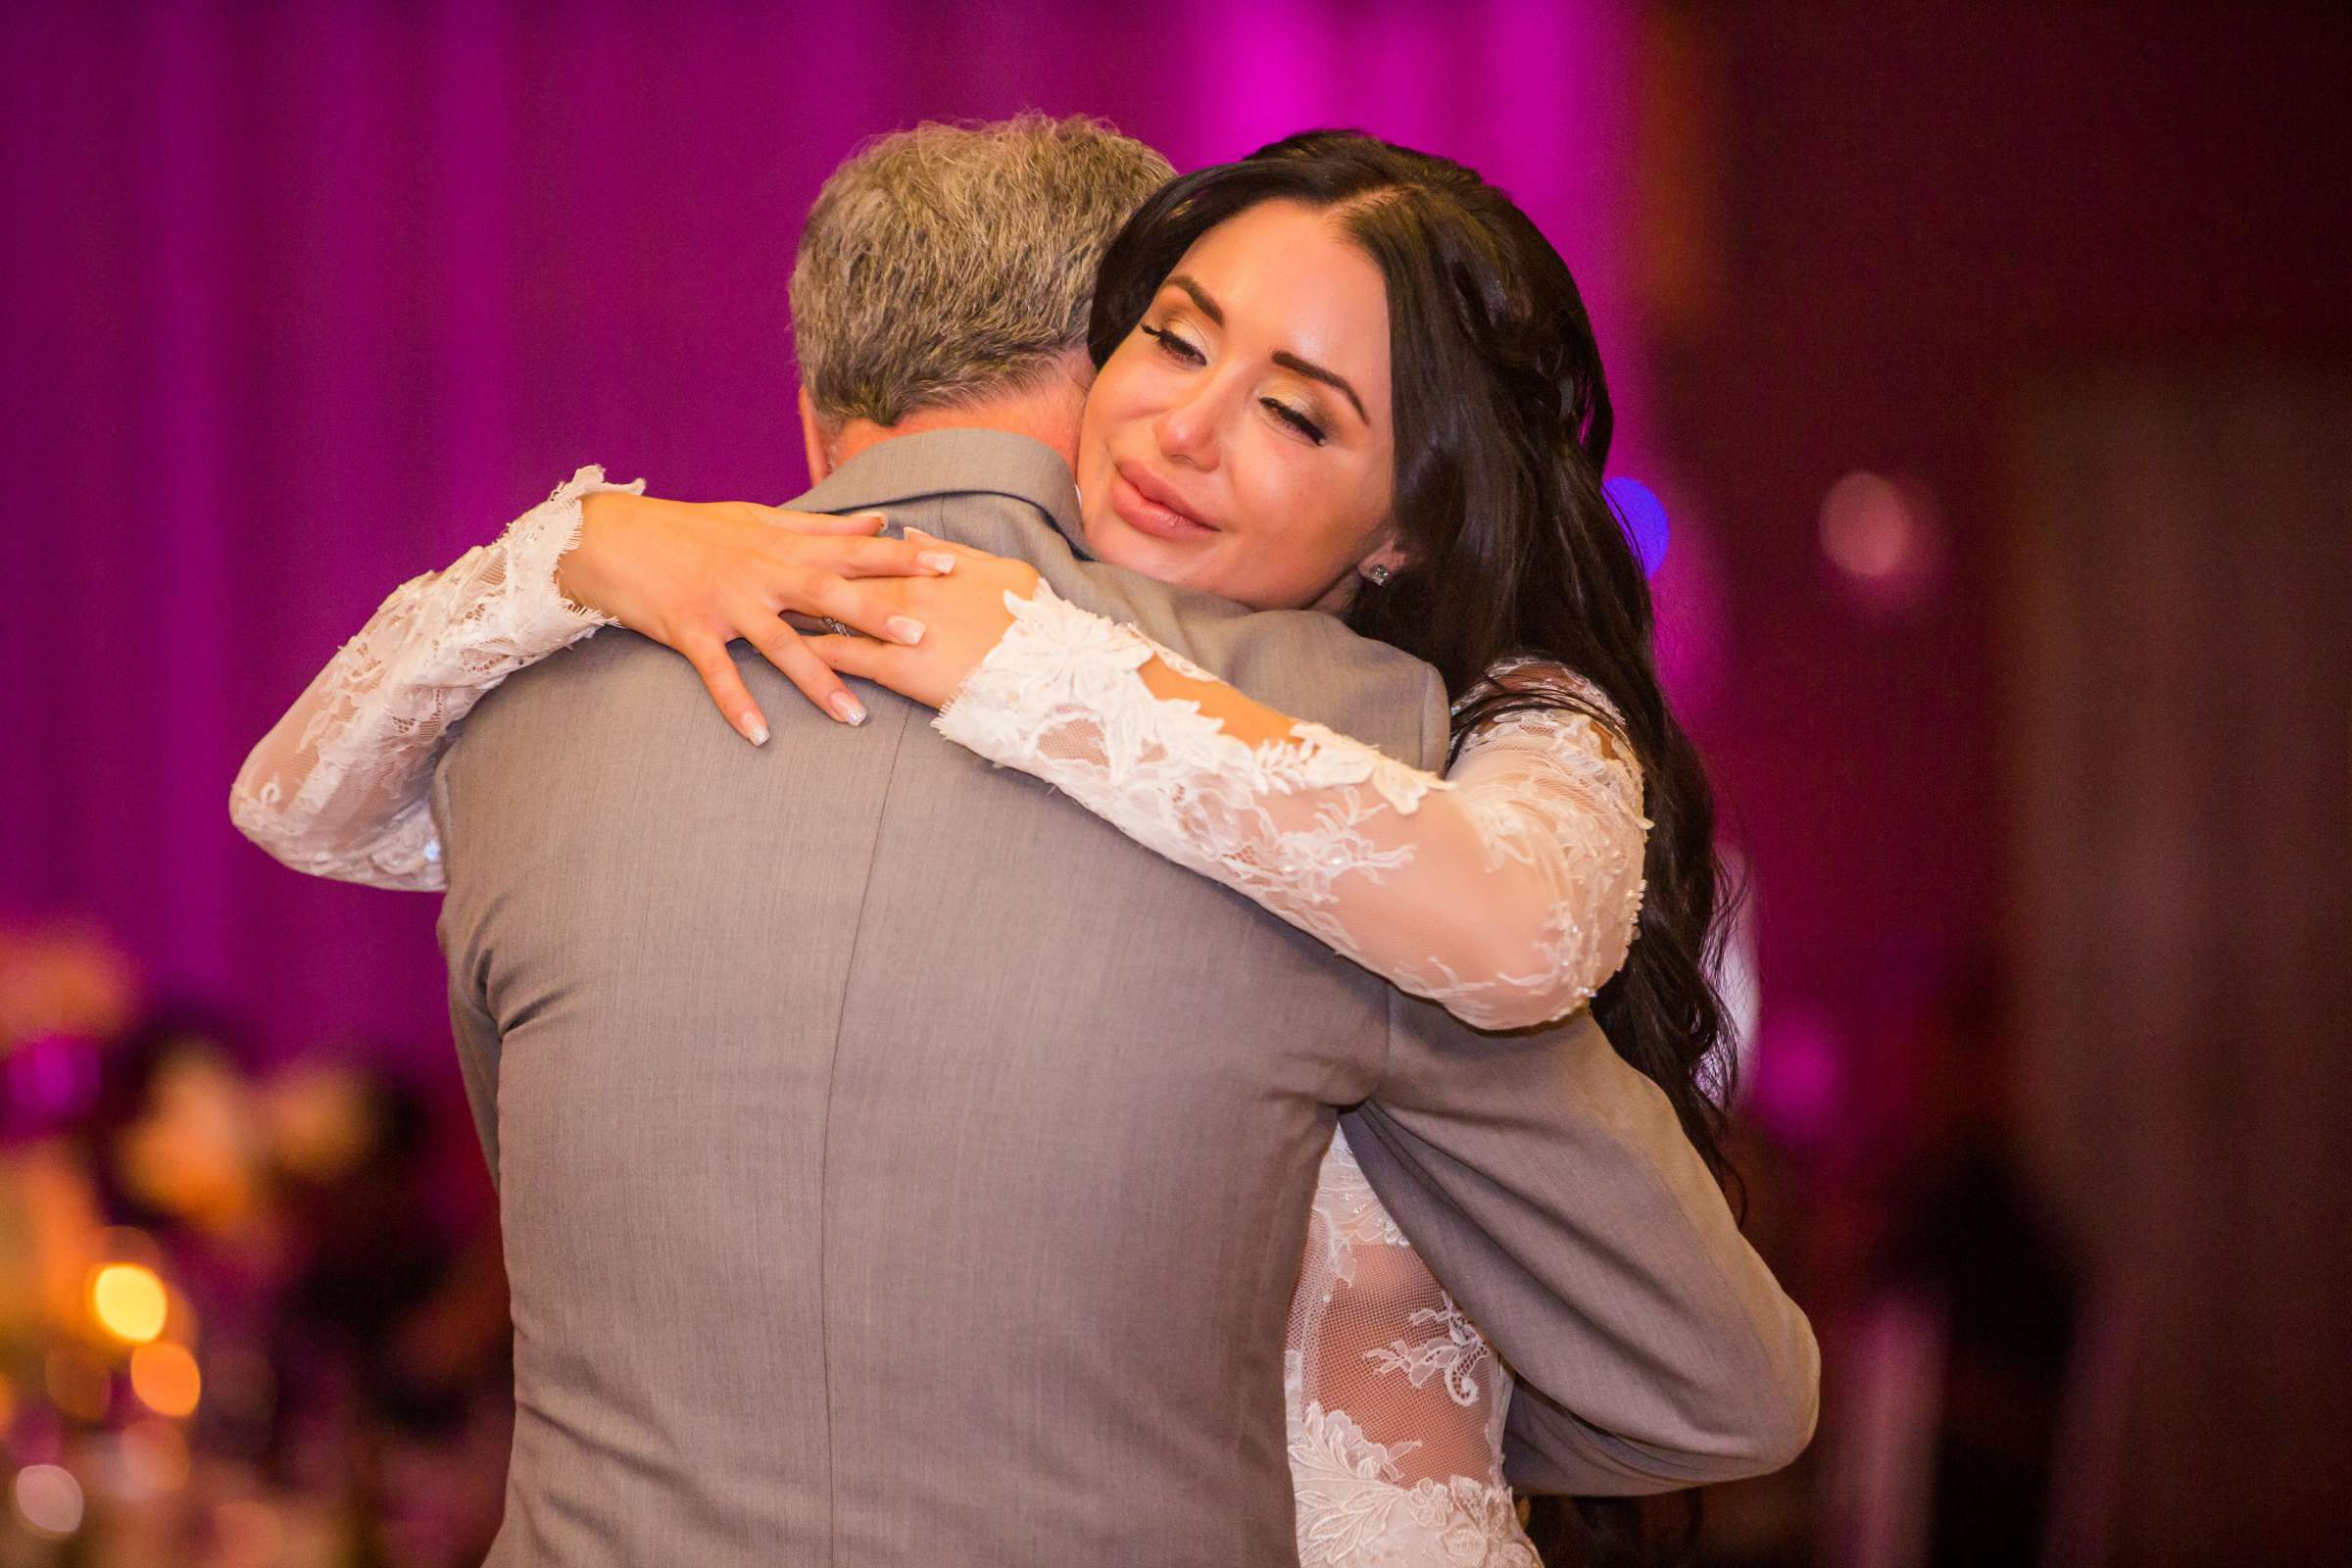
962,620
697,575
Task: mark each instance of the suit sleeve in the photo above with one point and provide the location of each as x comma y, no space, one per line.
1549,1185
477,1061
476,1033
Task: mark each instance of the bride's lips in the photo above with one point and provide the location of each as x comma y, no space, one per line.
1148,506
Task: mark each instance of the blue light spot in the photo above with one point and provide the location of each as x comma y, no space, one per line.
1643,517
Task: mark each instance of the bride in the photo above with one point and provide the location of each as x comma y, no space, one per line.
1336,376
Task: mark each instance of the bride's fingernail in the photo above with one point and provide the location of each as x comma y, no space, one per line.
938,561
849,710
754,731
904,629
879,521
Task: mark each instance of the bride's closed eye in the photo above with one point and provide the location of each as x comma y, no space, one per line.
1175,345
1183,351
1306,429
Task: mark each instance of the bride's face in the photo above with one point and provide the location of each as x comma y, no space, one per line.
1238,440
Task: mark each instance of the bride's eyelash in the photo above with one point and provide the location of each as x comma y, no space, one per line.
1174,345
1294,420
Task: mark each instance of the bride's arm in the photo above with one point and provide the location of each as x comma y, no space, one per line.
337,787
1506,892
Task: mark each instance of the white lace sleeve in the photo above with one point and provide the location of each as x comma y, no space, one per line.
337,787
1505,892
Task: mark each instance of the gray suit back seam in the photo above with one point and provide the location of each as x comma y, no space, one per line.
825,1157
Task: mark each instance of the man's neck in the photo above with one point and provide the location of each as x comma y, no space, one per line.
1048,414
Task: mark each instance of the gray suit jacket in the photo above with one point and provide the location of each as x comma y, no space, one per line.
898,1166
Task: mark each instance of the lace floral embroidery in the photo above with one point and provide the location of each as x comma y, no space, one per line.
1433,1497
1452,1354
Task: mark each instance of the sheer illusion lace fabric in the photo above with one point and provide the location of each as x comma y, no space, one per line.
1395,1400
1505,891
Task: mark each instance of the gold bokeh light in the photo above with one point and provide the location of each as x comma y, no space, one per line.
166,1379
129,1301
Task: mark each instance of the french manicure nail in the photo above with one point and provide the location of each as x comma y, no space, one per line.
849,710
879,521
938,561
904,629
754,731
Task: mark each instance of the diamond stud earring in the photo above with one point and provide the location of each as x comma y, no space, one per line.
1378,573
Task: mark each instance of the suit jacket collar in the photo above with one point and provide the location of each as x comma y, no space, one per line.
962,462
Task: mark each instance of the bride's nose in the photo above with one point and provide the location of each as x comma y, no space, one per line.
1189,429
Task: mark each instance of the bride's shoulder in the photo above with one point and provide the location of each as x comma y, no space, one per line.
1554,702
1533,673
1538,705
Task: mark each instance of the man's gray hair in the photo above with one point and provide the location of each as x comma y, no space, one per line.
947,264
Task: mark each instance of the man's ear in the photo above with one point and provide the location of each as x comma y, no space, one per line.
812,440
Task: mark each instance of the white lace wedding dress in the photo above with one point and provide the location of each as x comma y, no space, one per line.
1505,891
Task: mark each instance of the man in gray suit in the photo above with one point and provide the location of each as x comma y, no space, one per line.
896,1164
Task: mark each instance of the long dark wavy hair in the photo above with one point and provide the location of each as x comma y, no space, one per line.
1502,425
1511,547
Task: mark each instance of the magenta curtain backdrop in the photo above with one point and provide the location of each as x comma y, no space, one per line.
303,300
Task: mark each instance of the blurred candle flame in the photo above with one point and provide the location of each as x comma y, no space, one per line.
165,1378
129,1301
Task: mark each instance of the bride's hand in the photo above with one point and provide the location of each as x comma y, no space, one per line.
964,616
695,576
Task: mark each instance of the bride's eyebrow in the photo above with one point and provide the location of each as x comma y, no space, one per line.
1315,372
1208,307
1282,357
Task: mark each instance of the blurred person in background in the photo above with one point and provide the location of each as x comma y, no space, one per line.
1338,378
352,1333
1966,1324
